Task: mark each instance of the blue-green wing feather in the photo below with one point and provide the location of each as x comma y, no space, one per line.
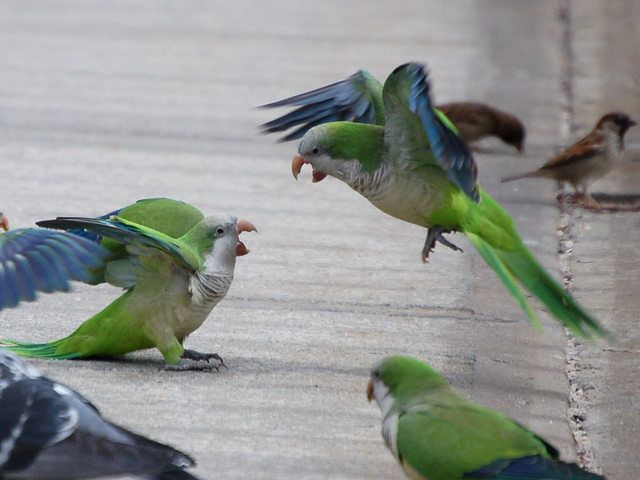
128,233
33,260
354,99
408,85
532,468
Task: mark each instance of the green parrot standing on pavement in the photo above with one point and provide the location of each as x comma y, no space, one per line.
389,144
175,265
437,435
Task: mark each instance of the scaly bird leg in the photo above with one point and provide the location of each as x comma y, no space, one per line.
197,361
436,235
587,201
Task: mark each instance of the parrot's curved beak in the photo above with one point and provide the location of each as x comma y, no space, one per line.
4,222
370,390
243,226
296,167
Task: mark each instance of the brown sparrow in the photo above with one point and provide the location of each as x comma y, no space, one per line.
477,120
588,159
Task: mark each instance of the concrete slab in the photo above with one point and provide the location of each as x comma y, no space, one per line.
604,261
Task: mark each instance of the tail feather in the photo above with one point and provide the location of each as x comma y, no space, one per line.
521,265
38,350
510,178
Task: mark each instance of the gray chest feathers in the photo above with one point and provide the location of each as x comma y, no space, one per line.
208,289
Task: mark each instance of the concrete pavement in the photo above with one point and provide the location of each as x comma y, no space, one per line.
106,102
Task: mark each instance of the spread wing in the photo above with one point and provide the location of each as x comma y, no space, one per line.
33,259
417,132
354,99
130,233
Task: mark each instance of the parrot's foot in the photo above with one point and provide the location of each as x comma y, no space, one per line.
198,356
196,361
188,365
436,235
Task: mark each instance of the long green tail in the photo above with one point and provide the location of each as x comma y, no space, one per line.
39,350
492,233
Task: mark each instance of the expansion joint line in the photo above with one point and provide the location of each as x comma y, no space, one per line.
577,403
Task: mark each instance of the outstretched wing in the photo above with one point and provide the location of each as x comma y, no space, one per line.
33,259
130,233
414,127
354,99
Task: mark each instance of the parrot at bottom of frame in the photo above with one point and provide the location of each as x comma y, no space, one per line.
437,435
175,265
50,432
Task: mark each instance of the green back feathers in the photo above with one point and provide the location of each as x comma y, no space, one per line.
354,141
171,217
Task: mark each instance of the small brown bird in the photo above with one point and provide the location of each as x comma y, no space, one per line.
477,120
588,159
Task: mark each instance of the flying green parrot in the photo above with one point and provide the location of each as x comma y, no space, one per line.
437,435
388,144
175,265
38,260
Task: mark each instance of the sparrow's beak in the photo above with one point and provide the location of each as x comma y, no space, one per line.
243,226
296,167
631,123
4,222
370,390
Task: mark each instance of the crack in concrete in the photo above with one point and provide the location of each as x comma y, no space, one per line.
577,403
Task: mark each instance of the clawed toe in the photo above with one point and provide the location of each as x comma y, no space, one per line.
436,235
199,356
188,365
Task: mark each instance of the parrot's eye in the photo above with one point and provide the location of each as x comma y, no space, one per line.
315,150
220,230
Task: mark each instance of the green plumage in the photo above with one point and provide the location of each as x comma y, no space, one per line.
157,247
437,435
417,169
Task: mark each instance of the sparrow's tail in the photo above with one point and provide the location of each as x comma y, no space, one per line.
497,240
510,178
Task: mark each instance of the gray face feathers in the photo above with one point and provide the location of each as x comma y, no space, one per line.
48,431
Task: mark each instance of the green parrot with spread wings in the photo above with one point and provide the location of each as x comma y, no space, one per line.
175,265
390,145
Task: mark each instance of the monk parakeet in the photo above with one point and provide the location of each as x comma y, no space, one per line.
175,265
38,260
437,435
50,432
405,157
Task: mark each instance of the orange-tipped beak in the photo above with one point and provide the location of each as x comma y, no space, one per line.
4,222
243,226
370,391
296,165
